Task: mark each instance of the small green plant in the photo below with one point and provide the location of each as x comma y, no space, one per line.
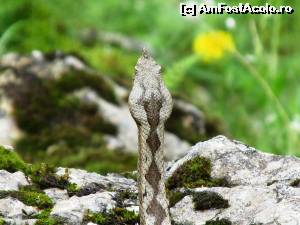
72,189
44,218
44,175
2,222
122,195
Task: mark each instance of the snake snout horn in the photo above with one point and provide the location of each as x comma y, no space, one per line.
150,104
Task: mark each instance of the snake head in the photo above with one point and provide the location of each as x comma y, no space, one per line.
150,101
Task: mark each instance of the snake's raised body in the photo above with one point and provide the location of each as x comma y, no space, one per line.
150,104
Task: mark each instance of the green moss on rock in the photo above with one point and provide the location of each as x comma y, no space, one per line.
209,200
44,175
2,222
175,196
48,114
58,125
72,189
76,80
44,218
295,183
30,198
10,161
218,222
185,223
123,195
194,173
116,216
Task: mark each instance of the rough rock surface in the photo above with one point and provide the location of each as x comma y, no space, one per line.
264,190
248,205
241,164
83,178
11,208
57,194
12,181
72,210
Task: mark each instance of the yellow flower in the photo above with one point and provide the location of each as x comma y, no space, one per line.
213,45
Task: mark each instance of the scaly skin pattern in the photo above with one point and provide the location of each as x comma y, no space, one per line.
150,105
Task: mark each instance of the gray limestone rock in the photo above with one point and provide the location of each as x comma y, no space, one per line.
11,208
12,181
72,211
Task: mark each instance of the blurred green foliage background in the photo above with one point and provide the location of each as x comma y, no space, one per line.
254,91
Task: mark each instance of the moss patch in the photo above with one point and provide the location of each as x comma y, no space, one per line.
185,223
202,200
44,218
10,161
123,195
30,198
175,197
218,222
195,173
209,200
295,183
58,125
2,222
42,175
76,80
117,216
